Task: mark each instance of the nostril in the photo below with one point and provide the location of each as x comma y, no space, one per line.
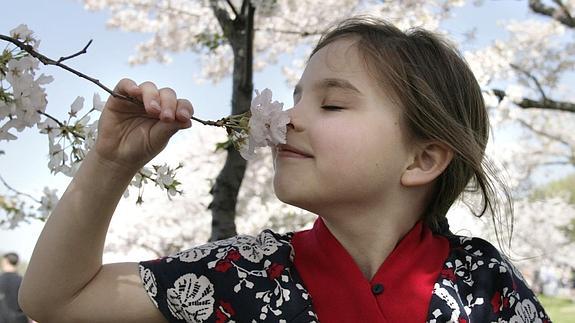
290,125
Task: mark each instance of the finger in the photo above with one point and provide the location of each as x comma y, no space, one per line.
126,86
151,98
168,102
163,130
184,111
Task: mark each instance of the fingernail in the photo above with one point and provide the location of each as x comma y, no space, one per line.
185,114
154,105
166,115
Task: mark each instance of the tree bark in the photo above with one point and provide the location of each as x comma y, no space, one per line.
239,33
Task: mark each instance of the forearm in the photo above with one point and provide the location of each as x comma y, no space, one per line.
68,253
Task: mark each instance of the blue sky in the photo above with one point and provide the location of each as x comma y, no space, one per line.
65,27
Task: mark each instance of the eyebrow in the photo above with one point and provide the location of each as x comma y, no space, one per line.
329,83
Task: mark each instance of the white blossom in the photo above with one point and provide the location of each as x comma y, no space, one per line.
267,125
97,102
48,202
164,176
29,97
21,32
76,106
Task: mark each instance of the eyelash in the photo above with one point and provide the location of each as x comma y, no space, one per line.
331,108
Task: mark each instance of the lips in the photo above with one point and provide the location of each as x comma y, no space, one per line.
291,151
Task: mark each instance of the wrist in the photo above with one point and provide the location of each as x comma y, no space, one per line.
98,168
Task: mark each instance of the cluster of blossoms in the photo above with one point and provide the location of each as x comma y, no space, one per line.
70,140
264,125
163,176
23,105
22,97
17,210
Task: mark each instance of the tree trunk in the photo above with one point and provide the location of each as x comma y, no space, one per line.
239,33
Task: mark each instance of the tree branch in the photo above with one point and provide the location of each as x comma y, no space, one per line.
223,18
294,32
562,14
548,104
532,77
16,191
543,134
564,10
61,125
232,7
83,51
48,61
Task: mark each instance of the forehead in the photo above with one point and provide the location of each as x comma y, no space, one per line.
339,58
342,59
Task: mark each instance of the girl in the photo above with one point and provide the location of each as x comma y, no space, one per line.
387,130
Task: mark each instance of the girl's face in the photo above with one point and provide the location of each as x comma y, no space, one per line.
346,145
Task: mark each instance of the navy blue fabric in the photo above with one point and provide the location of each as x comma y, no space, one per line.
253,279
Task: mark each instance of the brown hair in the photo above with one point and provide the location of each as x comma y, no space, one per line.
441,100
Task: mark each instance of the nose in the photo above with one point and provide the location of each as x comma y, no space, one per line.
295,123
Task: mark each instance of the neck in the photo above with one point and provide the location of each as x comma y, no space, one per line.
369,230
368,244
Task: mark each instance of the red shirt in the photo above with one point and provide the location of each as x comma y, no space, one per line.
400,291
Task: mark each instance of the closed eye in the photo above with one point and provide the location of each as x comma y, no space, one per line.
331,108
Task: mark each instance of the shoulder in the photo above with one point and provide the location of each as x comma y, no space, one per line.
243,278
475,254
10,277
478,282
249,248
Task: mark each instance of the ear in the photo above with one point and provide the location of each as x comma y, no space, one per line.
430,160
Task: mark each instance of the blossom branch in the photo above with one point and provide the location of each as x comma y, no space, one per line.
48,61
544,134
294,32
533,78
83,51
61,125
562,14
547,104
10,188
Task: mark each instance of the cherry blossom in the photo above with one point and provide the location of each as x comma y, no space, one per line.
267,125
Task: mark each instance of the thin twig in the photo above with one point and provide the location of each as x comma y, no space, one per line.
83,51
543,134
48,61
232,7
532,77
61,125
16,191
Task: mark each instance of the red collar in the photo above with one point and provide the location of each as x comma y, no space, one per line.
400,291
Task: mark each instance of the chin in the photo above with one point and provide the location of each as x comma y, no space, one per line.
297,200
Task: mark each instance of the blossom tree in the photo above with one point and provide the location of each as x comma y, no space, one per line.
534,64
526,76
523,73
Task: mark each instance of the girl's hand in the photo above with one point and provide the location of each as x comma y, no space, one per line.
129,135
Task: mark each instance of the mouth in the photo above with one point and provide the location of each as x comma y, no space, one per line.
291,152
